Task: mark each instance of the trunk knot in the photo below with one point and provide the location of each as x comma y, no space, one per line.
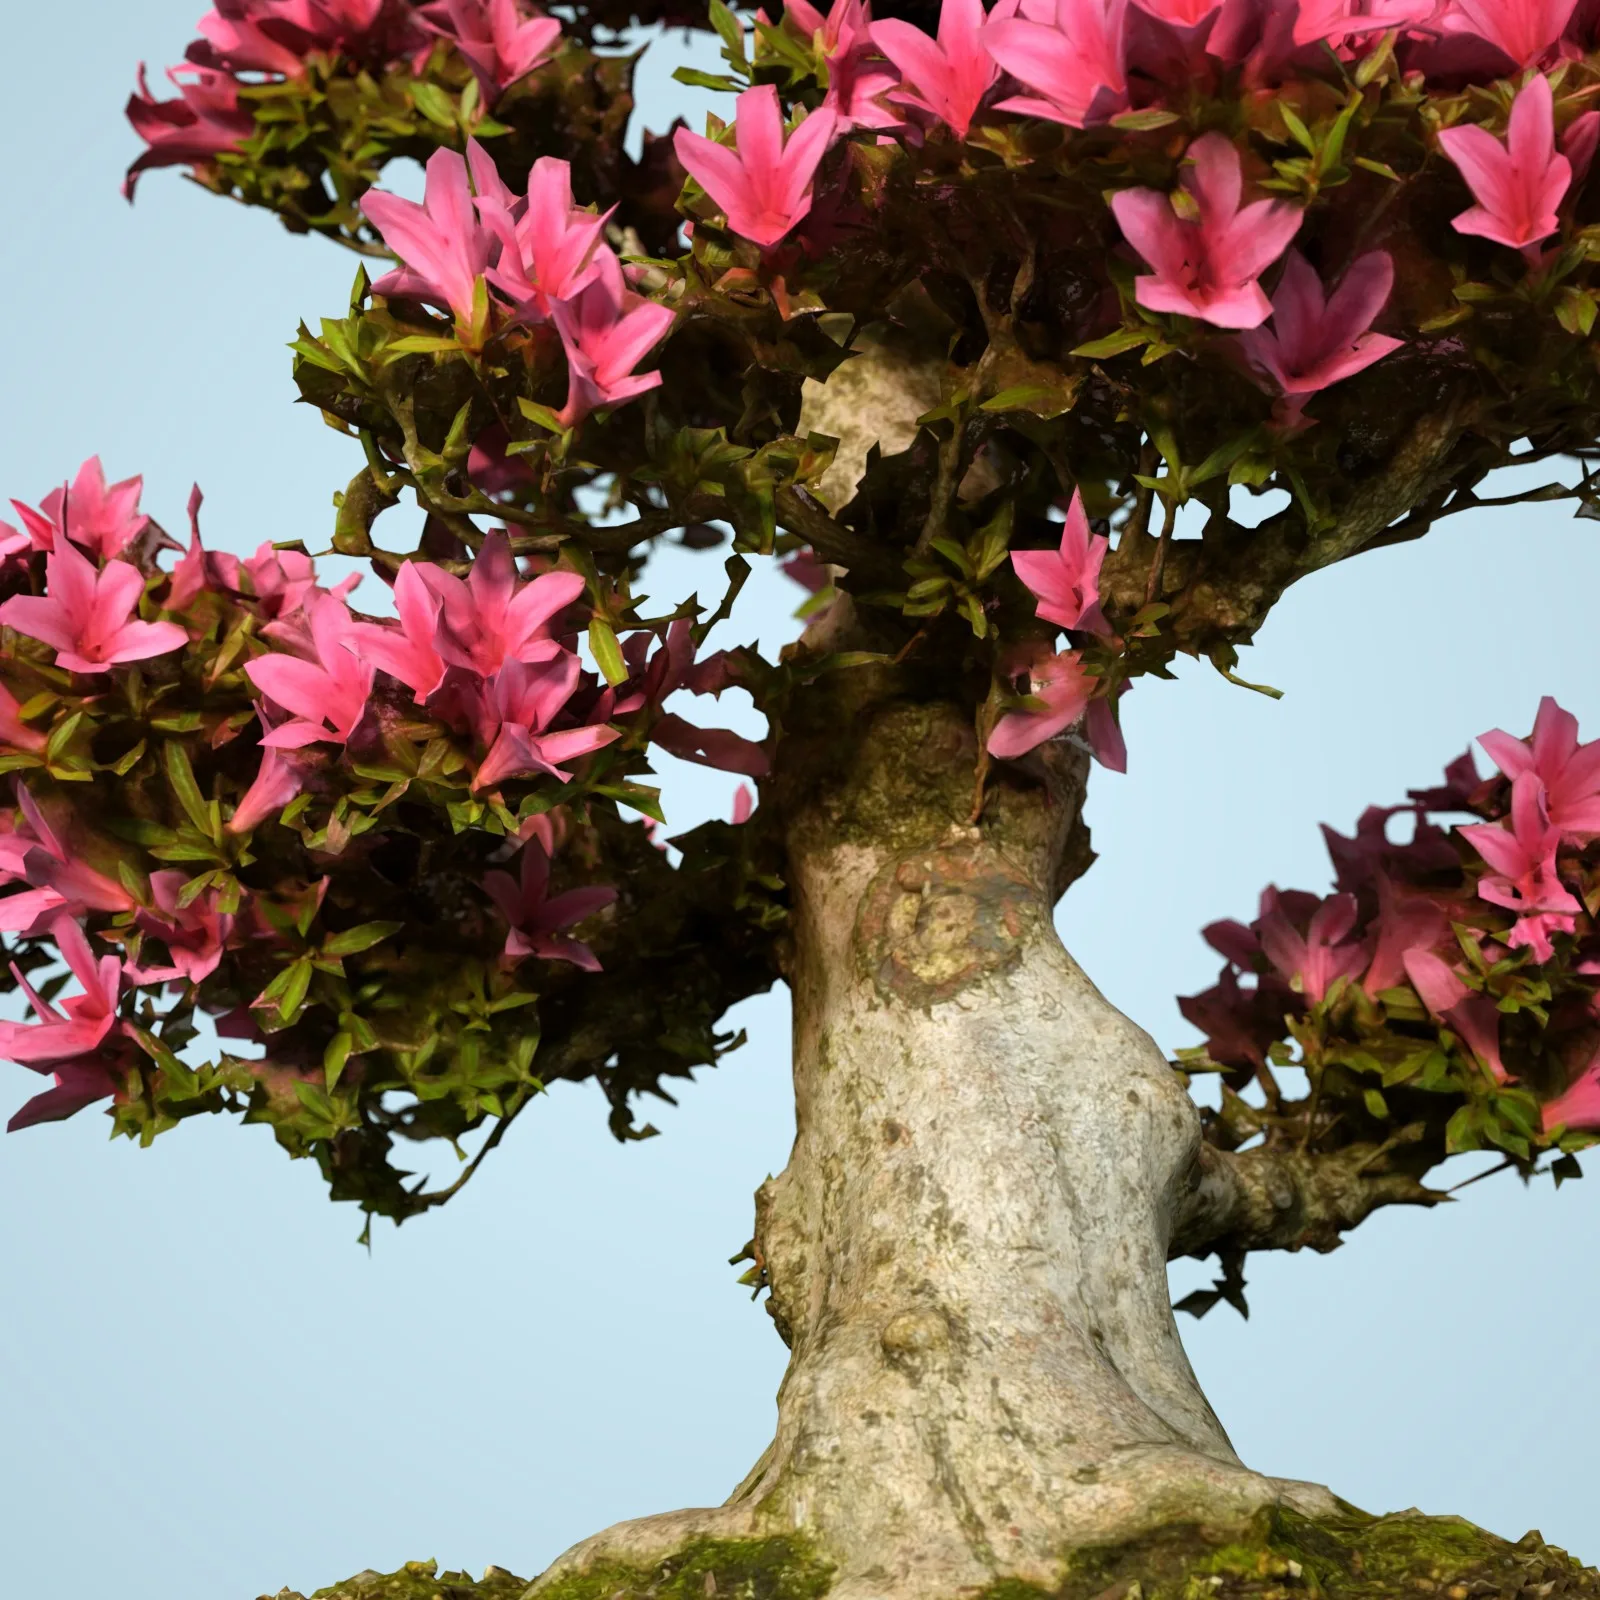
912,1337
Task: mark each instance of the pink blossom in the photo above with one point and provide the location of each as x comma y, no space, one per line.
1318,339
278,780
192,130
1519,183
1577,1106
282,581
856,82
537,921
200,569
276,35
1473,1016
194,934
325,697
517,708
501,40
60,878
1313,961
1403,926
947,76
407,650
606,332
491,617
443,247
1570,772
1066,581
1207,268
1075,62
744,805
103,519
87,616
763,182
1522,30
721,748
14,732
1523,862
549,247
1060,688
1339,21
61,1037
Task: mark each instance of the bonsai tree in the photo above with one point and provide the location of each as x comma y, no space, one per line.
960,315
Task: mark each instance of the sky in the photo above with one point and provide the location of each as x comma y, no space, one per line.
208,1391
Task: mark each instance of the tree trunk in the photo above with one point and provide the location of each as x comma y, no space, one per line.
967,1251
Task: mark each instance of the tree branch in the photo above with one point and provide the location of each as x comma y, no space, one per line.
1287,1199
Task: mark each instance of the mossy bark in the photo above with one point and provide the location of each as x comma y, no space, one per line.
1281,1555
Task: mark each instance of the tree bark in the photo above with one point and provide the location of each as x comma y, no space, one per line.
967,1251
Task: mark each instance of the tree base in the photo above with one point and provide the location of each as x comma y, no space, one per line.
1282,1556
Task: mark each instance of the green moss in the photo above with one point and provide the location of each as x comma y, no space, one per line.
734,1569
779,1568
1284,1556
1352,1556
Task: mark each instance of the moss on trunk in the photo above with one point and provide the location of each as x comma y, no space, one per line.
1283,1556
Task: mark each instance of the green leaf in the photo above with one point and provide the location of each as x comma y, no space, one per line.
181,776
354,940
1376,1105
1144,121
696,79
730,31
1565,1169
334,1058
607,652
1297,129
1115,344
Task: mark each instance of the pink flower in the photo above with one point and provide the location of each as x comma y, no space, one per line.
1076,64
1403,926
491,618
1570,772
103,519
86,616
1522,30
1312,962
744,805
1473,1016
194,934
407,650
1207,268
516,711
1339,21
1523,862
14,732
537,922
856,82
325,697
1316,340
500,40
606,332
200,569
276,35
548,245
1066,582
948,75
282,581
1518,184
59,878
190,131
62,1036
278,780
443,247
721,748
762,184
1577,1106
1061,689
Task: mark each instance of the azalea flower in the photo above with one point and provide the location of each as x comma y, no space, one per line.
537,921
103,519
1207,268
1475,1017
515,713
500,40
1060,690
195,934
86,616
549,248
763,181
606,332
1066,582
1518,183
1318,339
948,75
205,120
1313,961
325,697
1523,862
1073,56
1569,772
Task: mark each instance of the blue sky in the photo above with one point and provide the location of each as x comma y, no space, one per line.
208,1391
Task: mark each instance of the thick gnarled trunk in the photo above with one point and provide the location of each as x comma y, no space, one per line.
967,1251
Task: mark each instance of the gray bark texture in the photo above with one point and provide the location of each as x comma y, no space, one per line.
967,1250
